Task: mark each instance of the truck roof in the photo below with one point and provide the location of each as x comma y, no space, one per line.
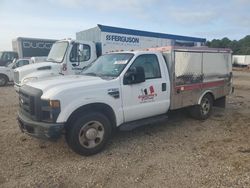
190,49
179,48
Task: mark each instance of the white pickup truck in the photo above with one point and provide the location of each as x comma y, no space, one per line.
7,72
124,90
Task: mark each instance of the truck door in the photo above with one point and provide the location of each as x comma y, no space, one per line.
81,55
148,98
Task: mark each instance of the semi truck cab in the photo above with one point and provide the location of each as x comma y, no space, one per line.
65,57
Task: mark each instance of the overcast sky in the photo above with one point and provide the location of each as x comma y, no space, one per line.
57,19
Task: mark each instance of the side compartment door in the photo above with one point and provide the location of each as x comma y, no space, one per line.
188,78
148,98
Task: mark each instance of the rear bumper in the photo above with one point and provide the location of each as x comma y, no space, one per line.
48,131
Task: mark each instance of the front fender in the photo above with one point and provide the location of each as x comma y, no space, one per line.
67,110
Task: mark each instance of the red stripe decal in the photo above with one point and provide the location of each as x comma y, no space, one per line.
200,85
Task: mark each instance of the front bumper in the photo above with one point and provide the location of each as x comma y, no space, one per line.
17,87
48,131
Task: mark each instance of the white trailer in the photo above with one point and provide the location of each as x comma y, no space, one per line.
113,39
241,60
32,47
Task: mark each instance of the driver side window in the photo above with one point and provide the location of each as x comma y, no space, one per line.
80,53
22,63
150,64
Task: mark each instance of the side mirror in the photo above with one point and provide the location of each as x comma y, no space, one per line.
134,75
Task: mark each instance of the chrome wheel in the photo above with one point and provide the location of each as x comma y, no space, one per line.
205,106
91,134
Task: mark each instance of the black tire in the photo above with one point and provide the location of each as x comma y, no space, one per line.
204,109
3,80
80,134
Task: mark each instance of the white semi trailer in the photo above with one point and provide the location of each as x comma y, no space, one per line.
72,56
241,60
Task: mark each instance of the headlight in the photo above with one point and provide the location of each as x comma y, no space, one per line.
50,110
29,79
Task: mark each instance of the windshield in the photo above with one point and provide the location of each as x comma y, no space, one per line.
110,65
57,52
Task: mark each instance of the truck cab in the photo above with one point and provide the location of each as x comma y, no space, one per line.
65,57
7,57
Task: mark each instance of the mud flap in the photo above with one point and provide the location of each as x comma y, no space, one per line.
221,102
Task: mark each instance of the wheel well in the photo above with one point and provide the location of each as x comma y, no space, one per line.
95,107
207,93
5,76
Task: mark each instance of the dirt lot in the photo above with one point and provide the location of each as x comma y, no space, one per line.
181,152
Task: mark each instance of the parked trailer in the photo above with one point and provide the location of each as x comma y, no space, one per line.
72,56
32,47
125,90
241,60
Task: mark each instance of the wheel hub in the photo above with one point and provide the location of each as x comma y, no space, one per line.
205,107
91,133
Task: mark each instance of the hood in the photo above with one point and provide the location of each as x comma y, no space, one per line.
36,68
3,69
62,84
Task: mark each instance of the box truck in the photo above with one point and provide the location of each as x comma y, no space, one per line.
32,47
72,56
125,90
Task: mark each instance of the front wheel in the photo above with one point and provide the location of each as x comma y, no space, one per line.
204,109
3,80
88,134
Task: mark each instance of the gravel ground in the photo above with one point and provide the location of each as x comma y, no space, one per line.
180,152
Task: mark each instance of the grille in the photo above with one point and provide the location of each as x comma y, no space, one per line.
16,77
27,104
30,102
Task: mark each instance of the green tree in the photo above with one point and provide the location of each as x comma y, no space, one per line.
241,47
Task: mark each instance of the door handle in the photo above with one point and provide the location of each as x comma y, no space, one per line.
163,86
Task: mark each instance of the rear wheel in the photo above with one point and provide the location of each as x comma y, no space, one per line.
88,134
3,80
204,109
